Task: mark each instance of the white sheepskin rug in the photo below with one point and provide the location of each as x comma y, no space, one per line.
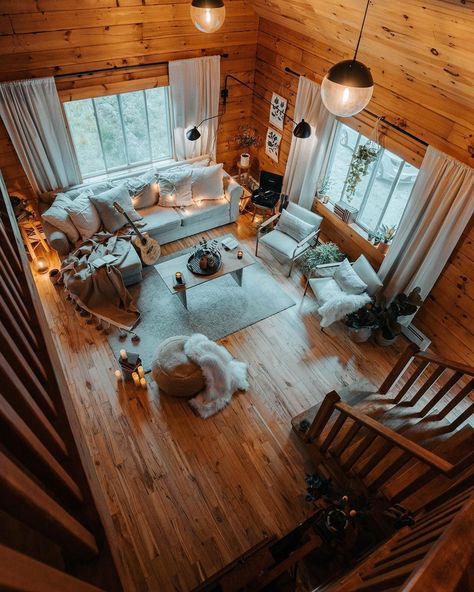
222,374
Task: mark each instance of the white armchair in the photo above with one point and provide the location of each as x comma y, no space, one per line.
284,244
343,295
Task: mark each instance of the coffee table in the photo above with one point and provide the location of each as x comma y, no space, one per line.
230,265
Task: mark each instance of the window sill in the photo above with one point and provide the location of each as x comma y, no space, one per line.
135,170
351,232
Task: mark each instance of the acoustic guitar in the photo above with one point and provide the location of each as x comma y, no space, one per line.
148,248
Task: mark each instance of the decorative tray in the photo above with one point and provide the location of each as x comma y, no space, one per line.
193,264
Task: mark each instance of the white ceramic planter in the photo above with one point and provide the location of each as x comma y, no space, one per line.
245,160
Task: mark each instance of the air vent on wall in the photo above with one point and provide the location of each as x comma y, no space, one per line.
416,336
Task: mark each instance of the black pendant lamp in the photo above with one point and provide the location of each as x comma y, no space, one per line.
208,15
348,86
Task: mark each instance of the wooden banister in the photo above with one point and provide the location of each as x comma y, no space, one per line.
449,558
415,450
432,359
399,368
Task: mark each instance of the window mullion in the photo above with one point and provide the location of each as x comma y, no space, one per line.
390,195
119,102
147,126
100,136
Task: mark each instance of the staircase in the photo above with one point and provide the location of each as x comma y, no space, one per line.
406,441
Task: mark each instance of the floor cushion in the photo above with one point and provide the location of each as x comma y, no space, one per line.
174,373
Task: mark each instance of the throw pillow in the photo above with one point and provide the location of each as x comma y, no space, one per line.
83,214
111,218
57,216
208,182
175,188
293,226
143,189
364,270
348,280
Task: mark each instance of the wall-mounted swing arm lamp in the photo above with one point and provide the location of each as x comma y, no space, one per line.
301,129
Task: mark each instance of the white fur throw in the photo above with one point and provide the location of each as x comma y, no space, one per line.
341,305
223,375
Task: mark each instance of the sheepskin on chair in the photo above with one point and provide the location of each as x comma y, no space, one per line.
222,374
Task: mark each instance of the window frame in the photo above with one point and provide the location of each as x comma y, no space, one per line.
106,171
334,141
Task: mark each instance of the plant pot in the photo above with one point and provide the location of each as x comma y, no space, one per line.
360,335
383,247
54,276
381,340
245,160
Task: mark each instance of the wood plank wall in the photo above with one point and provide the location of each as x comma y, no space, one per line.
447,317
48,37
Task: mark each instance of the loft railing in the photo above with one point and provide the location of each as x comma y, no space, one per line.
51,533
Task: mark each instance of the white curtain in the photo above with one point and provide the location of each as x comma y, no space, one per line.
306,157
34,120
194,92
440,206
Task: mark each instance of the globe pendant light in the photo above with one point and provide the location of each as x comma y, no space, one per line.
208,15
348,86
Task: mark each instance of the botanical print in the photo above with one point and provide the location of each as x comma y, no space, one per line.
272,144
277,111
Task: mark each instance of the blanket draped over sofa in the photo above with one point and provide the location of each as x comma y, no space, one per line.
100,290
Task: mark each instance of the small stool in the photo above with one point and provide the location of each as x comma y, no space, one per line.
174,373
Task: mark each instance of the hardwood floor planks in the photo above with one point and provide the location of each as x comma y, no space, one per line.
188,495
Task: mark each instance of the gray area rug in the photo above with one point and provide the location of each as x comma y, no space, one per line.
216,308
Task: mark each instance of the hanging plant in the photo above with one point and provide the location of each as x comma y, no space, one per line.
362,158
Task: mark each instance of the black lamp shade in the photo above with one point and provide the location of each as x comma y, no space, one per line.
193,134
351,73
302,130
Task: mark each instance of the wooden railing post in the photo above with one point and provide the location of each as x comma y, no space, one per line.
399,367
322,416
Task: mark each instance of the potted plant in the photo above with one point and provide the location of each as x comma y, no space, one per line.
361,323
322,253
323,189
389,315
246,138
362,158
386,236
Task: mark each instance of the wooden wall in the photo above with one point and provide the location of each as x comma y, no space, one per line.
447,316
48,37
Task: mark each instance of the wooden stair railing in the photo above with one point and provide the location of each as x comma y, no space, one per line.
51,537
380,439
435,554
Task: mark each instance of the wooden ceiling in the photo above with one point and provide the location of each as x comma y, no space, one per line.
420,50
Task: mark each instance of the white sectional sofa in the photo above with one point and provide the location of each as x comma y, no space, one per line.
165,224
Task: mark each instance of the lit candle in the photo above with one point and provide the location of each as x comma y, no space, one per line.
123,354
141,372
41,265
179,277
143,383
240,254
136,379
118,375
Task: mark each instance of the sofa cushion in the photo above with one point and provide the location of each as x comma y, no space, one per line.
348,280
83,214
111,218
307,215
143,190
364,270
207,210
157,219
175,188
208,182
282,243
57,216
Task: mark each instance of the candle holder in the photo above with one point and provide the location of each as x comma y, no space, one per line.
41,265
240,254
130,365
178,276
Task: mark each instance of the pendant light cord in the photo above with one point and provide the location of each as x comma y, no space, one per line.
361,29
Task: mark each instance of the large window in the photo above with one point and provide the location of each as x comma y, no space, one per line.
117,132
382,194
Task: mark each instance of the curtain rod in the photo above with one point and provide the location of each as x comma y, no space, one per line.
380,117
118,68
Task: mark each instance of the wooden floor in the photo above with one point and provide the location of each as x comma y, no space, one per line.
187,495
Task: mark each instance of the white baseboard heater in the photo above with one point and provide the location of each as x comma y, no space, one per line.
416,336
